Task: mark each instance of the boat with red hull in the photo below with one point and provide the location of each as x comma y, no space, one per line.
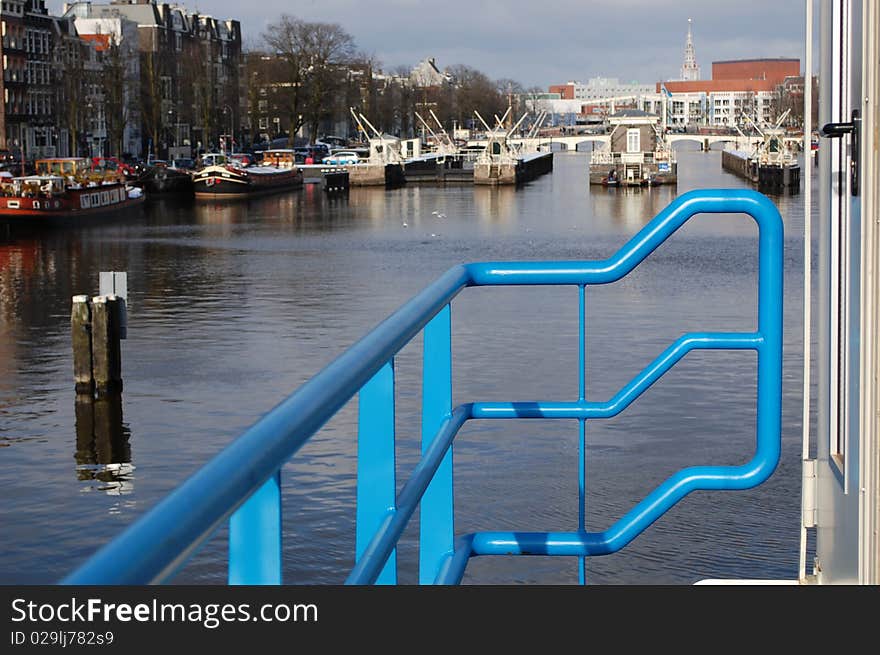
64,189
228,178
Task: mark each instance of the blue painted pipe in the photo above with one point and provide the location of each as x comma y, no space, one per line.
154,547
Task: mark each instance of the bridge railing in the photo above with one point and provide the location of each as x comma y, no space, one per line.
242,484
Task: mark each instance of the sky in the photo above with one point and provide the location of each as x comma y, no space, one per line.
539,43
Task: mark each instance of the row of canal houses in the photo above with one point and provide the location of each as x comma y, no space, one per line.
56,101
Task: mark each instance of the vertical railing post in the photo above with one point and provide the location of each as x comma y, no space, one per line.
376,488
436,529
582,446
255,537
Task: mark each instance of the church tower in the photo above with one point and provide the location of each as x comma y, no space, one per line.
690,71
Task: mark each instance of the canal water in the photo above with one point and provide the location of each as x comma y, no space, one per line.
232,306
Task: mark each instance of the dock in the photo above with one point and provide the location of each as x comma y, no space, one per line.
518,170
384,175
740,163
432,168
769,176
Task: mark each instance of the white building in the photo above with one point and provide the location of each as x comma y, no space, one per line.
599,88
426,74
123,33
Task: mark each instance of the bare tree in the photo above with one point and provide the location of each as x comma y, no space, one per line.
151,97
329,49
115,80
511,92
282,40
475,92
71,95
312,58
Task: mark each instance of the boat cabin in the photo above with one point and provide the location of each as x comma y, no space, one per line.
637,153
385,149
72,166
633,132
497,148
213,159
282,158
773,149
32,186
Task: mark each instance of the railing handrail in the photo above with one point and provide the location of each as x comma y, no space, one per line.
154,547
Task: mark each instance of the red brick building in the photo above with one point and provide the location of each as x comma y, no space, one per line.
774,70
738,88
740,75
565,91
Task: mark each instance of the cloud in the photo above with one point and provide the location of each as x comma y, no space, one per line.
541,43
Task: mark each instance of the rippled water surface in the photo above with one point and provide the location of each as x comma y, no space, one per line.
232,306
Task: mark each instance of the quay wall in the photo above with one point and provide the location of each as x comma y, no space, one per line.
739,163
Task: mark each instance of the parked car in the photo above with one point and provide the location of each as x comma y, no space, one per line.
185,163
10,161
341,158
113,164
242,159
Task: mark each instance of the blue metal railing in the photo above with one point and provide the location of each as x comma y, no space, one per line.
242,483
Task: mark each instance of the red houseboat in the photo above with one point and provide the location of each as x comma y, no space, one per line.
64,188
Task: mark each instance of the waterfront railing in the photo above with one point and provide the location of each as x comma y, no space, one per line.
242,484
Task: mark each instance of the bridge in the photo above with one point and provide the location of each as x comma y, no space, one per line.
571,142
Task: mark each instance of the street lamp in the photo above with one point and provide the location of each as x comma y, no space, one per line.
89,131
174,141
228,110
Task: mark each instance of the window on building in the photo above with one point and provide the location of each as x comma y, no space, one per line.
264,123
633,140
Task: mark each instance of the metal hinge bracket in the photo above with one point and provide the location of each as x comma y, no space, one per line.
808,499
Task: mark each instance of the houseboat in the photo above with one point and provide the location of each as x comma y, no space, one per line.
772,164
501,163
62,189
637,153
160,178
224,177
384,164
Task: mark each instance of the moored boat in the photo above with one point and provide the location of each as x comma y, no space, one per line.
637,154
772,164
64,188
161,178
226,178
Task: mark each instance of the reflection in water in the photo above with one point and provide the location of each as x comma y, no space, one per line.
495,204
103,451
235,305
631,207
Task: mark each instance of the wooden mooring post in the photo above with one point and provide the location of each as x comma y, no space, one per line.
81,335
96,330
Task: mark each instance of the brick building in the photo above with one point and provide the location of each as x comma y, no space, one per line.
190,69
738,89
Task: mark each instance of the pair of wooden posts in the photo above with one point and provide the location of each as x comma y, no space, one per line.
96,328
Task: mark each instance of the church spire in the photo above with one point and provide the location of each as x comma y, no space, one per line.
690,70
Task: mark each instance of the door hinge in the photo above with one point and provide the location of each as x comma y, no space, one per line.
808,494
